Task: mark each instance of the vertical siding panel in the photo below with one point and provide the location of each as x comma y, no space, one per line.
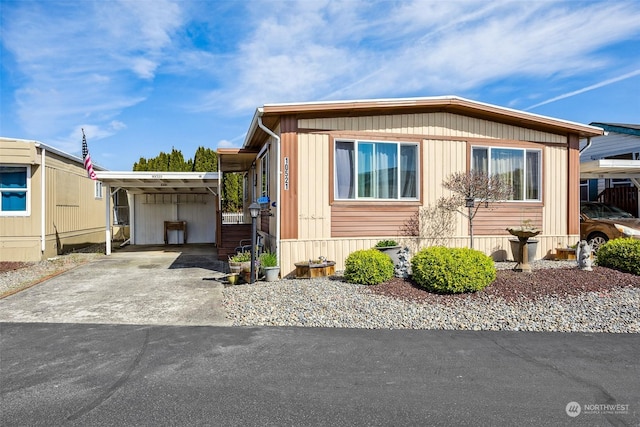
373,123
289,198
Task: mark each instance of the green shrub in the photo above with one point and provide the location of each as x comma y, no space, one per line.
269,259
386,243
621,254
452,270
368,267
241,257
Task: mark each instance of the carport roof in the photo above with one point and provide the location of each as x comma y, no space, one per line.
610,168
161,182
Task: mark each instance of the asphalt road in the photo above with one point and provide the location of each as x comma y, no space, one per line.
121,375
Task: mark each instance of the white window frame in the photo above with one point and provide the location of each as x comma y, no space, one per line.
264,174
524,151
398,145
98,189
27,190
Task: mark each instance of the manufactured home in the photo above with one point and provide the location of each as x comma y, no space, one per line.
335,177
49,204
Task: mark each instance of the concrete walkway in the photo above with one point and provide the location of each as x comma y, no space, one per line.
153,285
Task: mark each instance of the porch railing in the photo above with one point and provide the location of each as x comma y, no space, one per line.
233,218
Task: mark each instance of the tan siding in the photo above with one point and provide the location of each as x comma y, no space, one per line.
314,211
289,198
555,187
432,124
18,152
441,159
73,216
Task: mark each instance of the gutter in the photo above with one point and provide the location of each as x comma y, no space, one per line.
259,113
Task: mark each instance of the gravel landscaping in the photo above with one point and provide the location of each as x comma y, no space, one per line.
556,296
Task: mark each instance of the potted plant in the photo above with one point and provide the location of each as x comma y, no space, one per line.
240,262
391,248
269,263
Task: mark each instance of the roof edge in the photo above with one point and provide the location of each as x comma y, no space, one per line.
443,101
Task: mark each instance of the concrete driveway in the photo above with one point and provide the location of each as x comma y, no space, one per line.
148,285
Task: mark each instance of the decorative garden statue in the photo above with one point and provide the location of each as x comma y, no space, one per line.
583,255
403,267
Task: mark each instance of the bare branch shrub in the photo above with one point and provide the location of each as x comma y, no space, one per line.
479,187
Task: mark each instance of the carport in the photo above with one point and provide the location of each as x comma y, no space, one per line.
613,168
183,207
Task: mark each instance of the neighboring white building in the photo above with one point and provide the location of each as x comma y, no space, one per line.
610,166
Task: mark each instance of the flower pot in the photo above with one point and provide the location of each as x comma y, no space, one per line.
532,247
392,251
271,273
233,278
235,267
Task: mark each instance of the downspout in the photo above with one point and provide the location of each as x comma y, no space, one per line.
586,147
43,182
278,173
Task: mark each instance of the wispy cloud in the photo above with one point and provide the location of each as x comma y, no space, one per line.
586,89
84,62
310,53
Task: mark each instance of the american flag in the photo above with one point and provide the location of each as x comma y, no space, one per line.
87,158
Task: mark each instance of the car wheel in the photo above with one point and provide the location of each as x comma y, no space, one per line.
596,240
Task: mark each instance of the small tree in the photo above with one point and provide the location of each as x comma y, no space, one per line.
473,189
432,222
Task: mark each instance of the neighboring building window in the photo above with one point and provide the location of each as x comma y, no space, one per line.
15,183
376,170
584,189
98,192
520,168
621,182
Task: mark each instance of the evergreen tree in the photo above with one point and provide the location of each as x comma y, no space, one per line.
205,160
232,192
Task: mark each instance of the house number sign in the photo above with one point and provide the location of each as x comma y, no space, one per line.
286,174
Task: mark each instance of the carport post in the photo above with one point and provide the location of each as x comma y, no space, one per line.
107,231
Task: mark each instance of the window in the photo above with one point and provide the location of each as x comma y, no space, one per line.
98,191
15,182
264,175
520,168
376,170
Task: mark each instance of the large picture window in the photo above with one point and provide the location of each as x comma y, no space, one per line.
14,188
376,170
520,168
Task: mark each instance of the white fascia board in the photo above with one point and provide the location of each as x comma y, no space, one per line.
193,176
610,168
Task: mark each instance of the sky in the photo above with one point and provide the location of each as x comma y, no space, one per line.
144,76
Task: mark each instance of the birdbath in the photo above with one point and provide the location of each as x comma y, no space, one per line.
523,234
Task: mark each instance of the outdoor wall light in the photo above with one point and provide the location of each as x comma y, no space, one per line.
254,210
